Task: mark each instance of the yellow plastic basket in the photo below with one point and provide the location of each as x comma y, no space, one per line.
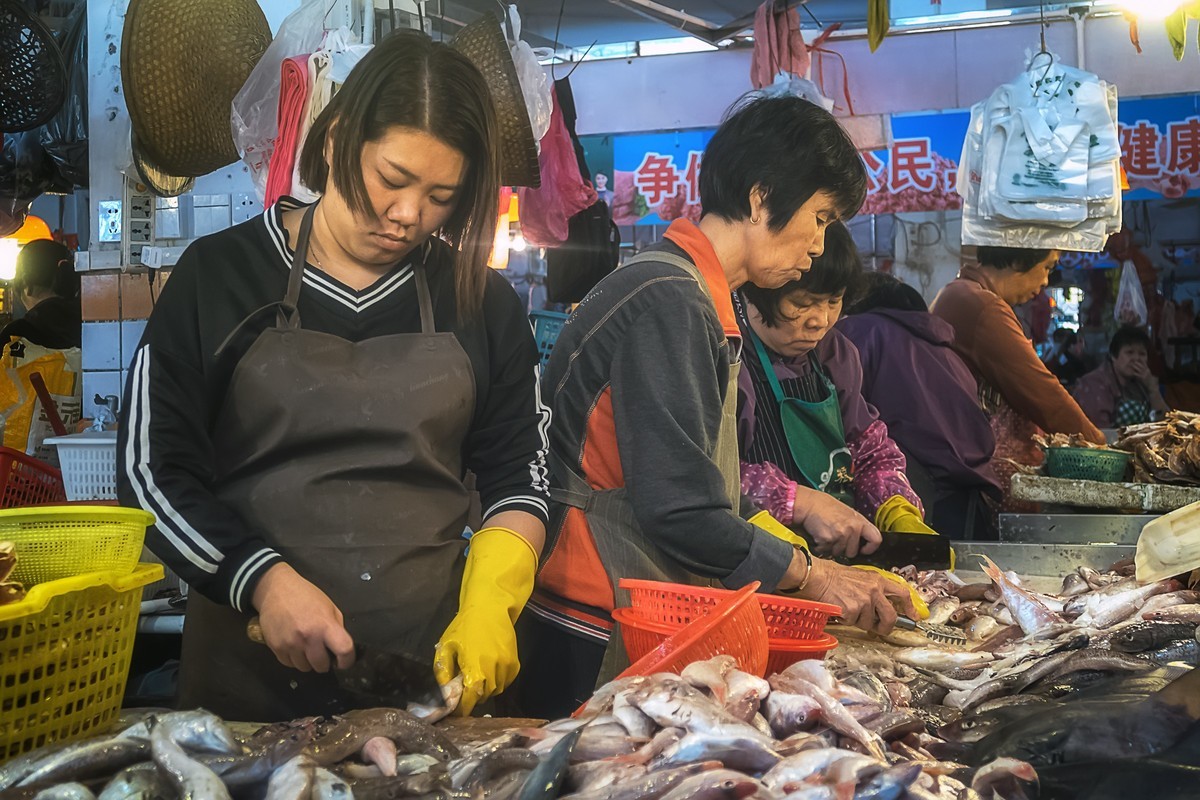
64,657
55,542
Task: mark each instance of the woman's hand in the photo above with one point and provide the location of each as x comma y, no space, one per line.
868,600
300,623
836,529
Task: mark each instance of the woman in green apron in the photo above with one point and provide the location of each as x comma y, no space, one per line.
813,451
1122,391
312,388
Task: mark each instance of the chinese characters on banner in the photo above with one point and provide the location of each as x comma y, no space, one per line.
656,176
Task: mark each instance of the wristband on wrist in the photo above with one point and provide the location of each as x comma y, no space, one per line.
808,560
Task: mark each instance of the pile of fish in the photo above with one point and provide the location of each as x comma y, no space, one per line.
1167,451
712,733
1045,678
1048,441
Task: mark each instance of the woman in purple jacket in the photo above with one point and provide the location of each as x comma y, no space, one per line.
808,438
929,399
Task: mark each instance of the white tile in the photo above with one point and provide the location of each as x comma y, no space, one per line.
99,383
101,345
131,334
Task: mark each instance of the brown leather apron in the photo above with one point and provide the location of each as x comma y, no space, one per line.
624,549
346,457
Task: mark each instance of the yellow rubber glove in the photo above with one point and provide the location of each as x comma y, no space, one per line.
897,515
918,601
481,642
765,521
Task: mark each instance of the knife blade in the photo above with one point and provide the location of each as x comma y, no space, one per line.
379,677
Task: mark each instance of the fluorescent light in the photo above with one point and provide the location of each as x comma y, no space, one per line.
518,244
8,259
667,47
1154,9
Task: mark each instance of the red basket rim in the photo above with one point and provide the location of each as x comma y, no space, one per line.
683,588
631,618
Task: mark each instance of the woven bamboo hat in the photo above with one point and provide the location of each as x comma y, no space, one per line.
483,43
33,83
156,180
182,62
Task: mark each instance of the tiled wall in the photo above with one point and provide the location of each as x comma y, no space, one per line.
115,308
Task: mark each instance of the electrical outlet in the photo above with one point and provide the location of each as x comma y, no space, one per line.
246,206
139,230
110,221
141,206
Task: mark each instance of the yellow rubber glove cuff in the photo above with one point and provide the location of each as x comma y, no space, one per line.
766,522
898,515
480,642
917,601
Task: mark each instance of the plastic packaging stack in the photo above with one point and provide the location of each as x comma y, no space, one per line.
1041,162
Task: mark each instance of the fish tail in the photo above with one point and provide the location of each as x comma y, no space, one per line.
991,570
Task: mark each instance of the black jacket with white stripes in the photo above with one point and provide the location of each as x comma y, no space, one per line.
177,384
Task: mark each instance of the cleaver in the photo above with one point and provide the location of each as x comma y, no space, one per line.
379,677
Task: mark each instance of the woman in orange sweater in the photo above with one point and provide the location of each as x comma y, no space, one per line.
1016,389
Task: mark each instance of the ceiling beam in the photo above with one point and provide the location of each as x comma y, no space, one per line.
746,21
681,21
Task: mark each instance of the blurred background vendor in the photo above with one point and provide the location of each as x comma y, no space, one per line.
1017,391
1122,391
930,402
806,436
48,288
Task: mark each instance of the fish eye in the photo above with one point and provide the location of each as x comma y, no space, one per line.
967,724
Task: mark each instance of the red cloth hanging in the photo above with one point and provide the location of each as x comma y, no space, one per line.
778,45
293,100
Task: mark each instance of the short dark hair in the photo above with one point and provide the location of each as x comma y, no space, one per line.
1064,335
44,265
409,80
1128,336
835,271
787,147
1018,259
882,290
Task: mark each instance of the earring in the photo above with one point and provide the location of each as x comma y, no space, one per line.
754,220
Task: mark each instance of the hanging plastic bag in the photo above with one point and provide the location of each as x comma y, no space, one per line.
535,86
65,136
545,211
24,421
254,117
1131,302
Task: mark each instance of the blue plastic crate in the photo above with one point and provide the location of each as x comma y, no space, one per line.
546,325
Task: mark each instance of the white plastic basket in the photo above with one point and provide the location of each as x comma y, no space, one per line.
89,464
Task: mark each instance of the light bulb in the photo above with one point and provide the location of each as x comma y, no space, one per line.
518,244
8,259
1153,9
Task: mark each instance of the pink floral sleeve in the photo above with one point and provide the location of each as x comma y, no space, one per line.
878,471
770,489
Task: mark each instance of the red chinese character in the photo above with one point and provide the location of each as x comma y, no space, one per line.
691,177
1139,150
876,172
1183,142
656,178
912,165
950,177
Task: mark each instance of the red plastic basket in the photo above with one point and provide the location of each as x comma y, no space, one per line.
782,654
734,627
26,481
674,604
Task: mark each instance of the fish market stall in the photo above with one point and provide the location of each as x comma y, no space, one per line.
1088,669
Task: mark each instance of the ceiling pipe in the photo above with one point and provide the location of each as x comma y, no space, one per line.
691,25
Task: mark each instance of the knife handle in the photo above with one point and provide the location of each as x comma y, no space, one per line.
254,631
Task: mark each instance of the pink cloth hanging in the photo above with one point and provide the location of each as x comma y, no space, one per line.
563,193
778,45
293,100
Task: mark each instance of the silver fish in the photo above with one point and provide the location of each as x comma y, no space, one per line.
1188,612
710,675
835,715
1101,611
941,658
941,609
86,760
637,724
197,730
736,750
720,784
138,783
1028,611
594,775
793,771
190,778
451,697
650,785
789,713
678,705
746,693
66,791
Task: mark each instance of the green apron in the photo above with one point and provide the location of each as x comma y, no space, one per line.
814,432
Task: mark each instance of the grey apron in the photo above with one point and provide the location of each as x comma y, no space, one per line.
624,549
346,457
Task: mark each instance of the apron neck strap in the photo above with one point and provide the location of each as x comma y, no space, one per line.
772,379
289,316
423,298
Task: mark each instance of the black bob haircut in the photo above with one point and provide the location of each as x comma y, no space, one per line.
787,147
836,271
1018,259
882,290
1128,336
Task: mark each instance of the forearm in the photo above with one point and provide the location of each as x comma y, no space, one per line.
527,526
